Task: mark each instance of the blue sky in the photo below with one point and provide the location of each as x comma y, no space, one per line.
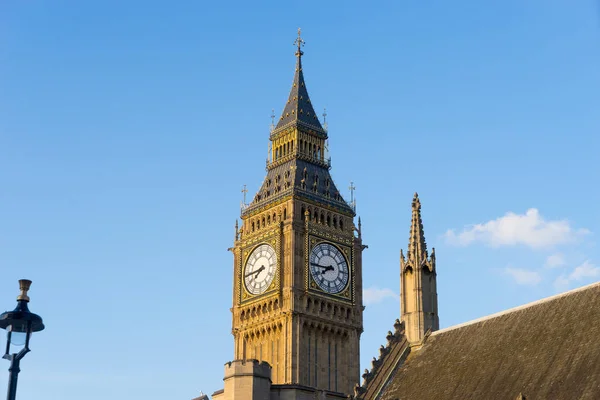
127,130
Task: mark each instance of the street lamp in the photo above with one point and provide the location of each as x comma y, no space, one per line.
19,324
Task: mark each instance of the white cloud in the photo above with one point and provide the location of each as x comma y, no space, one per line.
555,260
562,283
523,276
585,270
374,295
582,272
529,229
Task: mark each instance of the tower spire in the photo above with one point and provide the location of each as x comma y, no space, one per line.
298,109
298,160
417,247
418,282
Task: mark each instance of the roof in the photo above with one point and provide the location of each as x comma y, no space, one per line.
299,175
394,353
298,110
302,179
544,350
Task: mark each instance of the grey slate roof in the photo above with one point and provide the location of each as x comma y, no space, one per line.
298,109
303,179
547,350
299,175
390,356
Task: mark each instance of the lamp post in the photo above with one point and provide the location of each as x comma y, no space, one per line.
19,324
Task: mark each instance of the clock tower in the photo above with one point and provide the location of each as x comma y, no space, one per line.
297,261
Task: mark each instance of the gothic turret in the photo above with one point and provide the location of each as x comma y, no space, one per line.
419,308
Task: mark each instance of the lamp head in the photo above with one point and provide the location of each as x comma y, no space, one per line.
21,319
20,324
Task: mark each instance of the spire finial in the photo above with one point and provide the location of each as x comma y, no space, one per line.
352,199
244,205
359,228
299,43
417,247
416,203
272,119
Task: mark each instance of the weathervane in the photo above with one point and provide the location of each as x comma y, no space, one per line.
325,118
299,42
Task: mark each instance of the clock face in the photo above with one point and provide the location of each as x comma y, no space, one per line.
260,269
329,268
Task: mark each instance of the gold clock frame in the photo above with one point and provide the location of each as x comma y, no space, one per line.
315,238
273,240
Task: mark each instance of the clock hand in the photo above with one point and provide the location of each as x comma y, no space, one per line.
328,268
325,267
258,271
262,267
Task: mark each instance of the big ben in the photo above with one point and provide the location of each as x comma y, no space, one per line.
297,272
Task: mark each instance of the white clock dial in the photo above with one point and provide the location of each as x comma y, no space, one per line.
329,268
260,269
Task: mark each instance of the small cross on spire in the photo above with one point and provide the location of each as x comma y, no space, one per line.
352,200
244,191
244,205
272,119
299,42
